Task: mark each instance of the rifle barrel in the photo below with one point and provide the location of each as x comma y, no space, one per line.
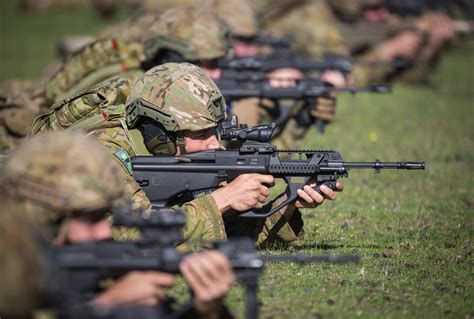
303,259
379,165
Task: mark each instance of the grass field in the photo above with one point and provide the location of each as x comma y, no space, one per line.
412,229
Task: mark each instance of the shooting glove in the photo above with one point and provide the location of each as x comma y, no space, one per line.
324,108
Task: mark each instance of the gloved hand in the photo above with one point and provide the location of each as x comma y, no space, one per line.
324,108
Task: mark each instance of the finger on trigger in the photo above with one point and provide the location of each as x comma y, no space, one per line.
305,196
328,193
266,179
264,190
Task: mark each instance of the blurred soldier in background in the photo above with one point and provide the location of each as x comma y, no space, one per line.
66,180
181,34
203,37
242,18
370,29
359,28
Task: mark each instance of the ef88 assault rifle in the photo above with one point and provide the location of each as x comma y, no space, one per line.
304,90
169,180
79,268
288,59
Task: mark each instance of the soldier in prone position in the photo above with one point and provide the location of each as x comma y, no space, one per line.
67,181
171,110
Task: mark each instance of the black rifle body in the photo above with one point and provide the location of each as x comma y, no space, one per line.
305,90
79,268
169,180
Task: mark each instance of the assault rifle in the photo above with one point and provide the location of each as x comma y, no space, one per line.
306,90
79,268
274,42
408,8
234,90
286,58
169,180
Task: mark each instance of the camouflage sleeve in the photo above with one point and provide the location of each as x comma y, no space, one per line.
139,199
312,27
418,72
365,75
252,111
204,223
290,135
276,230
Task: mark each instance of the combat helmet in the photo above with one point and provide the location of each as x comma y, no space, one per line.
22,262
350,10
239,15
65,173
178,97
194,34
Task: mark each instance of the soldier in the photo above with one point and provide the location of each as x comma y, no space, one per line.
162,117
248,190
178,34
242,19
371,32
68,181
313,27
202,35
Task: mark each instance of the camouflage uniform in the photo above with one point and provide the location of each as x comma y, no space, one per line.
316,30
194,34
131,30
101,113
91,65
105,118
242,18
311,25
51,176
20,102
242,21
191,118
20,262
364,40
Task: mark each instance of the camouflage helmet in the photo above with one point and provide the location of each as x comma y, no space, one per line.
68,173
352,9
239,15
194,34
131,30
180,96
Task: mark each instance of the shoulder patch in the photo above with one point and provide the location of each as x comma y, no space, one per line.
123,156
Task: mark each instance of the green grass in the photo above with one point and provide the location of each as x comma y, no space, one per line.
412,229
